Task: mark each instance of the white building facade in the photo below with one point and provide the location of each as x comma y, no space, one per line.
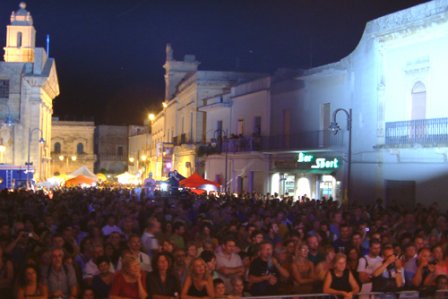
28,86
394,84
180,128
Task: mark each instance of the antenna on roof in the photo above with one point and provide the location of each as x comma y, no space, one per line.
48,45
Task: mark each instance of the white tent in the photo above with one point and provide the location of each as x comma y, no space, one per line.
84,171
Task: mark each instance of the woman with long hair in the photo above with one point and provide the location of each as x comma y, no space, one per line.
130,281
30,285
162,282
199,283
339,280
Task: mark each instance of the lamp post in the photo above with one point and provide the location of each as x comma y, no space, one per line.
215,141
28,163
334,126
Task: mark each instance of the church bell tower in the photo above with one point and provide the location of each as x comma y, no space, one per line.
20,37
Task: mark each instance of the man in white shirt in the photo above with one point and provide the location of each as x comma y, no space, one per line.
149,240
91,269
368,264
228,263
134,245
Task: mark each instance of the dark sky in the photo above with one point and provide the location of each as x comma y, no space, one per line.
109,53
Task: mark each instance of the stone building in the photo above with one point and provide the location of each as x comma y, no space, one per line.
139,142
28,86
388,98
180,128
72,146
111,148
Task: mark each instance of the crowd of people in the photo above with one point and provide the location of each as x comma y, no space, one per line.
112,243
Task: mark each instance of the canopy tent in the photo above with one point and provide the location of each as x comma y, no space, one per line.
83,171
196,181
128,179
79,180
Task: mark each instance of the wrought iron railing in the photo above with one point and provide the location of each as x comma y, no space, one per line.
306,140
428,132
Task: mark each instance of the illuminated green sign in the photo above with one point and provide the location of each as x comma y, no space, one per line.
319,163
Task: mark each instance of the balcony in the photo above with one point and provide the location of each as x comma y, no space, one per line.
424,132
181,139
308,140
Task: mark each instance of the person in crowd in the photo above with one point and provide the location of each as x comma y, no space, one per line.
30,285
302,271
134,246
438,266
441,290
264,272
180,267
353,262
326,265
101,282
178,235
219,288
228,263
409,259
314,253
88,293
368,264
210,259
256,238
342,243
130,281
60,278
167,246
198,283
192,252
388,276
358,244
149,185
238,290
162,283
6,273
110,227
91,267
149,239
340,281
424,268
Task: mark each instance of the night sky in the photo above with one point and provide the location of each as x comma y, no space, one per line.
109,53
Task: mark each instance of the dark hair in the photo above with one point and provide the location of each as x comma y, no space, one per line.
22,277
374,242
102,259
178,225
207,256
217,281
155,260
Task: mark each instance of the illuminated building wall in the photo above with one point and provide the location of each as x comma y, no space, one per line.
28,86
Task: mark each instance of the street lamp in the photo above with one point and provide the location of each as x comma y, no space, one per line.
218,139
28,164
334,126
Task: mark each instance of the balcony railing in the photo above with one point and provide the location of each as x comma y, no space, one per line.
427,132
181,139
307,140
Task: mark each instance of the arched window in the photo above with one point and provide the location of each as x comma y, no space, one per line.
19,39
418,101
80,149
57,147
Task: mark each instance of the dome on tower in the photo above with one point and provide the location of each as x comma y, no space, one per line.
21,17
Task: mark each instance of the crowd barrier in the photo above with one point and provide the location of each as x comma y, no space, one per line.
301,296
441,294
